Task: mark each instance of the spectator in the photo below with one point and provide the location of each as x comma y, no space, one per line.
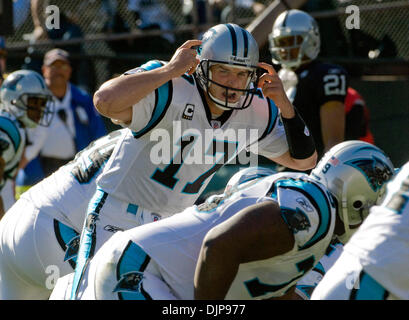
3,57
75,124
82,74
223,9
151,14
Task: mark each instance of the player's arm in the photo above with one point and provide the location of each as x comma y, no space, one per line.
332,116
331,94
255,233
287,160
116,97
302,154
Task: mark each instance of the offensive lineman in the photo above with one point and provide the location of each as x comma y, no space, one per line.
373,265
252,242
220,96
39,235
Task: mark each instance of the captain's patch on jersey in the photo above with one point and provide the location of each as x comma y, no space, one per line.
188,112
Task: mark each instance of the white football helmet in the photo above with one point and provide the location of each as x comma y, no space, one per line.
355,172
243,176
25,95
294,29
234,46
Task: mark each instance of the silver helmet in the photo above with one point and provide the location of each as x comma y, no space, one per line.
355,172
25,95
234,46
244,176
292,30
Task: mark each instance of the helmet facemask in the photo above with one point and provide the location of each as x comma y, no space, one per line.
205,77
34,109
289,51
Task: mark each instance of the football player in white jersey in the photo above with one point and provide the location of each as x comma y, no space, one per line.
39,234
252,242
374,263
362,195
25,102
197,103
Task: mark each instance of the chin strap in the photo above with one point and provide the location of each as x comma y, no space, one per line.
345,219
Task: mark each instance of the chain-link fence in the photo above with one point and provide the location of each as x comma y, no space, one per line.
120,34
109,50
381,32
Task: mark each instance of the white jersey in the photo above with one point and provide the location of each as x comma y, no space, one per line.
381,244
174,243
173,147
12,144
309,282
66,193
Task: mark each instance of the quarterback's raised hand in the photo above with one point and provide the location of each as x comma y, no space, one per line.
273,88
184,59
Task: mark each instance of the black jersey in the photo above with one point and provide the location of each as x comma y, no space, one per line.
315,84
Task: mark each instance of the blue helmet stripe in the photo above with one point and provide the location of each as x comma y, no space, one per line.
40,80
233,39
246,42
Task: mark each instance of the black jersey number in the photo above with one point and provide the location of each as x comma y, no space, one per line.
97,159
334,84
256,288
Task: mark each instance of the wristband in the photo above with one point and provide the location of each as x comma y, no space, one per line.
300,141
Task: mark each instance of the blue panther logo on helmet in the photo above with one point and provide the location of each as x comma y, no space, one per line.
375,170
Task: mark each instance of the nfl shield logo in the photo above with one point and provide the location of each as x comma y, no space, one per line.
216,124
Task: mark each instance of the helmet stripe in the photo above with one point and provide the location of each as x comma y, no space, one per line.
233,38
40,79
285,18
246,42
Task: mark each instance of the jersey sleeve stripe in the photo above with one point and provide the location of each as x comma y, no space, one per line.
272,118
163,97
151,65
9,128
319,199
369,289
